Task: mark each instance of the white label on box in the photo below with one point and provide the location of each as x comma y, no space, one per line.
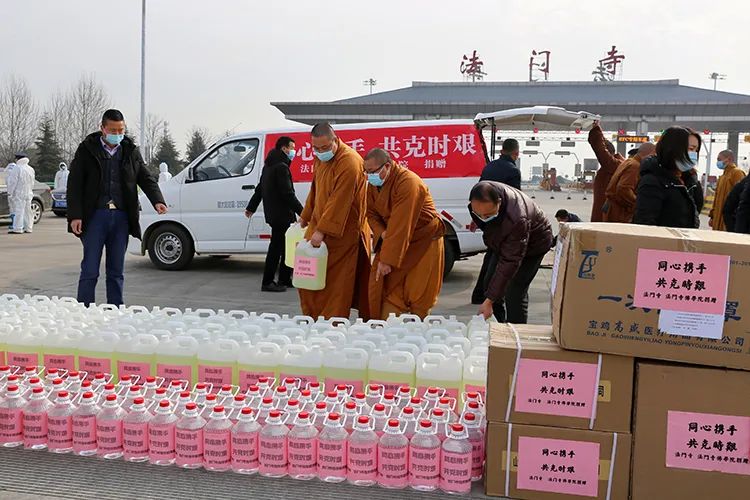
556,264
690,324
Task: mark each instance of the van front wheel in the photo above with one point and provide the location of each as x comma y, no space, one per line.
451,255
170,248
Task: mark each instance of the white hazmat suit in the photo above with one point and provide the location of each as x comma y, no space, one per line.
11,207
61,177
164,174
20,193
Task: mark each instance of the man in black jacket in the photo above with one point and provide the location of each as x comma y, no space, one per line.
732,204
280,206
742,215
103,205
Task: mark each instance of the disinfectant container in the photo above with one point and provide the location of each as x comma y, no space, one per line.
346,366
302,362
60,350
259,360
294,235
310,266
176,359
96,352
438,370
135,356
217,363
26,345
392,369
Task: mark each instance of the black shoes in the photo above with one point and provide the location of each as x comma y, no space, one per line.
273,287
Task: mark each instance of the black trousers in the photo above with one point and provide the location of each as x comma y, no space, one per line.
275,257
477,295
515,307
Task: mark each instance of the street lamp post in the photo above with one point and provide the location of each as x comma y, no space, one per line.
715,77
142,138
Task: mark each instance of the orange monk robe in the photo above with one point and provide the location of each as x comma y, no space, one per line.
413,245
336,208
729,178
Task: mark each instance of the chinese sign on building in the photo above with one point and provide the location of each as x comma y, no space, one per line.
609,67
539,65
471,67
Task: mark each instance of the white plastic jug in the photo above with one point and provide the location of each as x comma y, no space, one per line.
459,343
6,332
26,346
346,366
60,350
238,336
294,235
96,352
310,266
176,359
414,349
217,363
319,342
437,370
302,362
392,369
136,356
261,360
475,375
363,344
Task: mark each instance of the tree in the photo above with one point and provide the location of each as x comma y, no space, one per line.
48,153
154,129
198,143
167,153
18,117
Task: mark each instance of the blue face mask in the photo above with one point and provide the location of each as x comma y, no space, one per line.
485,220
114,139
693,155
324,156
375,180
291,154
720,165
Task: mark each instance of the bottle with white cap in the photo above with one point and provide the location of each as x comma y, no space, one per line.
273,446
455,462
245,443
135,432
424,458
217,442
303,448
188,438
161,435
60,424
393,457
109,429
84,426
362,455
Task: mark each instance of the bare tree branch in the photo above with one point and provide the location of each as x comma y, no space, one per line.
18,117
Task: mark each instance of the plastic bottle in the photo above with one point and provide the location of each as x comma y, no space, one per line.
136,356
319,415
437,370
176,359
310,266
475,375
302,362
245,443
30,385
380,418
11,414
217,442
332,449
60,349
74,382
305,400
217,362
161,435
60,424
476,438
362,454
303,453
149,388
316,390
265,408
225,395
84,426
109,429
35,420
391,404
182,401
294,235
393,457
273,446
456,462
291,411
189,438
441,419
200,392
391,369
346,366
280,396
25,347
374,394
96,352
424,458
107,390
235,406
255,361
98,383
135,437
448,405
135,391
360,400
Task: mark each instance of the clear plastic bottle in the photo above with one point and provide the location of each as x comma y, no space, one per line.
159,395
107,390
123,387
35,420
410,419
52,374
479,410
374,394
135,391
431,397
135,432
245,443
209,404
455,462
391,405
343,392
217,442
440,418
149,388
98,383
235,406
316,390
305,400
417,403
182,401
319,415
253,396
332,401
175,388
109,429
200,392
161,435
60,424
302,447
265,384
292,386
360,400
403,396
349,418
393,457
380,418
291,411
448,406
225,394
31,384
476,439
266,407
74,383
84,426
55,387
273,446
189,438
11,414
424,458
332,449
362,454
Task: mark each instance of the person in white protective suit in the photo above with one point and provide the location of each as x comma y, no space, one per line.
164,174
20,193
11,208
61,177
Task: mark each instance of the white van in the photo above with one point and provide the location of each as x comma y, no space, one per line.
207,199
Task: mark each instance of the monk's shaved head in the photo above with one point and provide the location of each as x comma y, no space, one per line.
379,155
323,130
728,155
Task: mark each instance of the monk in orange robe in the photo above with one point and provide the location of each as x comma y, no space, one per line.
407,273
335,213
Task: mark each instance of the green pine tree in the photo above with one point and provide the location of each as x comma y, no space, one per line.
167,153
48,152
196,145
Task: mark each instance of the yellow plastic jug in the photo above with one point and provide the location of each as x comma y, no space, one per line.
294,235
310,266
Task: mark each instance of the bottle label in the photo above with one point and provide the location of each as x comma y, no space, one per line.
135,438
23,359
216,375
95,365
141,370
108,436
302,456
424,466
455,471
216,448
84,433
389,386
60,432
60,361
393,467
245,450
362,461
189,446
249,377
161,444
358,385
477,457
11,425
274,454
304,380
332,457
34,429
174,372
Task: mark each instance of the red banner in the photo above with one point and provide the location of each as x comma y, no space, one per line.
430,151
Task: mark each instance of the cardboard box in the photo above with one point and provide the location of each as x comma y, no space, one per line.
629,289
552,386
691,433
599,466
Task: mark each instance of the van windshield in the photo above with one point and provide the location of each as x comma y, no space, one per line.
232,159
